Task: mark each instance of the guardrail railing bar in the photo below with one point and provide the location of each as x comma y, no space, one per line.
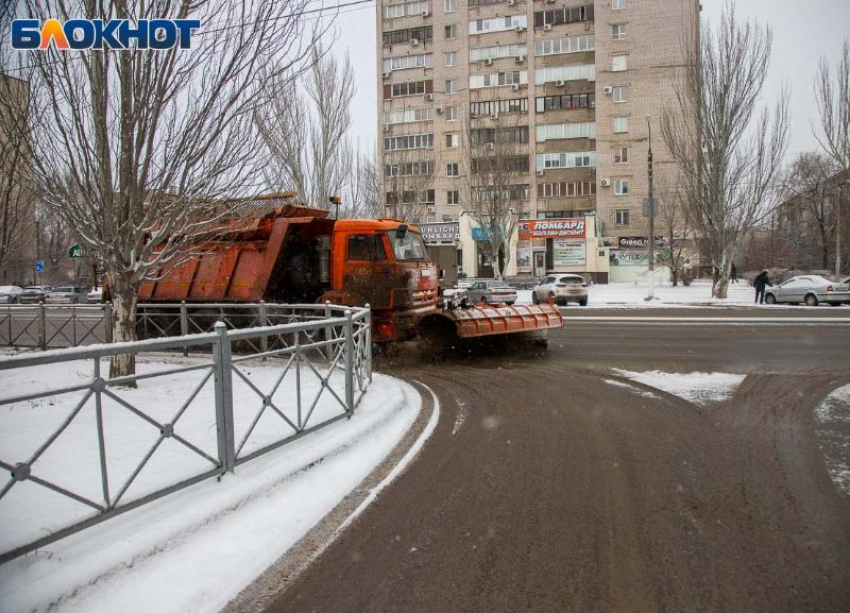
282,375
101,443
298,380
325,386
137,470
272,446
193,395
61,490
62,427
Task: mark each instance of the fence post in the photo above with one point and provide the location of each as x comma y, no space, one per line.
107,321
9,310
42,327
224,399
368,340
349,362
184,325
263,321
329,333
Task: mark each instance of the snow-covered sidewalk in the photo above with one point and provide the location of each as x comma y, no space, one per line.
196,549
698,294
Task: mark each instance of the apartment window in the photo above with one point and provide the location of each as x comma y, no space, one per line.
451,31
621,187
410,141
452,169
404,62
567,101
451,58
621,155
495,52
563,15
565,189
559,131
498,79
404,9
409,115
570,44
498,107
618,5
398,37
450,6
451,113
451,86
566,160
496,24
411,88
618,31
619,63
621,217
621,93
621,125
565,73
453,196
452,141
512,135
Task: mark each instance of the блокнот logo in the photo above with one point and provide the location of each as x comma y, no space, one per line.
76,34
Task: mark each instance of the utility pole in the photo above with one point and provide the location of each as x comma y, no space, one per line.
838,205
651,214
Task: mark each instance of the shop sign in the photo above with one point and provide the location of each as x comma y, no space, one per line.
638,242
628,258
552,228
440,232
480,233
568,252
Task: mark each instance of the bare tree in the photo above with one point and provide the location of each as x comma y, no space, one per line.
496,184
408,183
17,114
833,97
673,223
364,194
727,153
139,142
305,127
808,191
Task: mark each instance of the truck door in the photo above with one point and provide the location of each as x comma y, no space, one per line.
367,274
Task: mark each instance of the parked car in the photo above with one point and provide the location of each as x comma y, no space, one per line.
811,289
9,294
66,294
95,296
491,292
33,294
561,289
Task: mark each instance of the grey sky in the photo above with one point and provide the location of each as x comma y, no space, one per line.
803,31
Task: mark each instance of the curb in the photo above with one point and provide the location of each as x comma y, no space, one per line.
275,580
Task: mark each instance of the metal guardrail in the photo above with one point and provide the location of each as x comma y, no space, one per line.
325,340
53,326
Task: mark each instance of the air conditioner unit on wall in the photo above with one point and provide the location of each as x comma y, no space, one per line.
520,29
387,74
547,27
550,1
520,59
560,83
426,13
439,110
539,173
608,89
429,97
511,2
414,41
605,182
488,61
514,87
386,127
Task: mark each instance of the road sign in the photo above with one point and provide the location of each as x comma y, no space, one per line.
39,265
648,205
75,251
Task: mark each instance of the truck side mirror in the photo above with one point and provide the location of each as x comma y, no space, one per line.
401,231
442,274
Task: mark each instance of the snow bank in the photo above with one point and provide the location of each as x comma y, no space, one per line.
697,387
833,417
196,549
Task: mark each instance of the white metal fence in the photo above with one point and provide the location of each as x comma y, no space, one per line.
321,356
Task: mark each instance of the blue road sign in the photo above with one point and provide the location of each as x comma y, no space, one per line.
39,265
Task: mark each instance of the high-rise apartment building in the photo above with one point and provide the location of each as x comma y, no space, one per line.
568,83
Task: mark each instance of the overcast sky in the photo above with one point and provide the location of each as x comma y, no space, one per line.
803,31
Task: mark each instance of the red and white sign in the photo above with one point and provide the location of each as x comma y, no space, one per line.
552,228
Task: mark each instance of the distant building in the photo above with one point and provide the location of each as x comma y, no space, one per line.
569,81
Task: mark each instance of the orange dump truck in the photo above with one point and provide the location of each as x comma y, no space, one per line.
296,254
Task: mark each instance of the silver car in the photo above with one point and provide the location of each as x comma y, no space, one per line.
66,294
561,289
811,289
491,292
9,294
33,294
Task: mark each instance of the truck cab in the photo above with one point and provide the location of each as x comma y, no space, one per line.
383,263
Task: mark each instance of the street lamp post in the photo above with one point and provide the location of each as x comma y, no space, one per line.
651,214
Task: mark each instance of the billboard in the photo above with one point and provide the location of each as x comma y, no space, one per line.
568,252
440,232
552,228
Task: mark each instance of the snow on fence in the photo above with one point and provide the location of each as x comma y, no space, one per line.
81,447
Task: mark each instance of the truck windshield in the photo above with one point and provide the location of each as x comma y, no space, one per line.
410,247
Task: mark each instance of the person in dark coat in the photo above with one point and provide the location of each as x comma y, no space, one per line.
760,283
733,274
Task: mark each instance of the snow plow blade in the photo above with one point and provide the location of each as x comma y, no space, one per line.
503,319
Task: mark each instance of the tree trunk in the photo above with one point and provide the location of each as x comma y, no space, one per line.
124,299
720,288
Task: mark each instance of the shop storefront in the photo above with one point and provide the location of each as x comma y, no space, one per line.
630,260
443,243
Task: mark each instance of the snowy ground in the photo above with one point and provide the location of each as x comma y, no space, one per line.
698,387
196,549
697,294
833,418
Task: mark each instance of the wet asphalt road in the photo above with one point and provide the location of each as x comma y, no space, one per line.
547,488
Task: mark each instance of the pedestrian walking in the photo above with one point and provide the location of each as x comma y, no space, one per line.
733,274
762,281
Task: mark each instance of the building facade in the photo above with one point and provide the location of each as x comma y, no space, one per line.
562,86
